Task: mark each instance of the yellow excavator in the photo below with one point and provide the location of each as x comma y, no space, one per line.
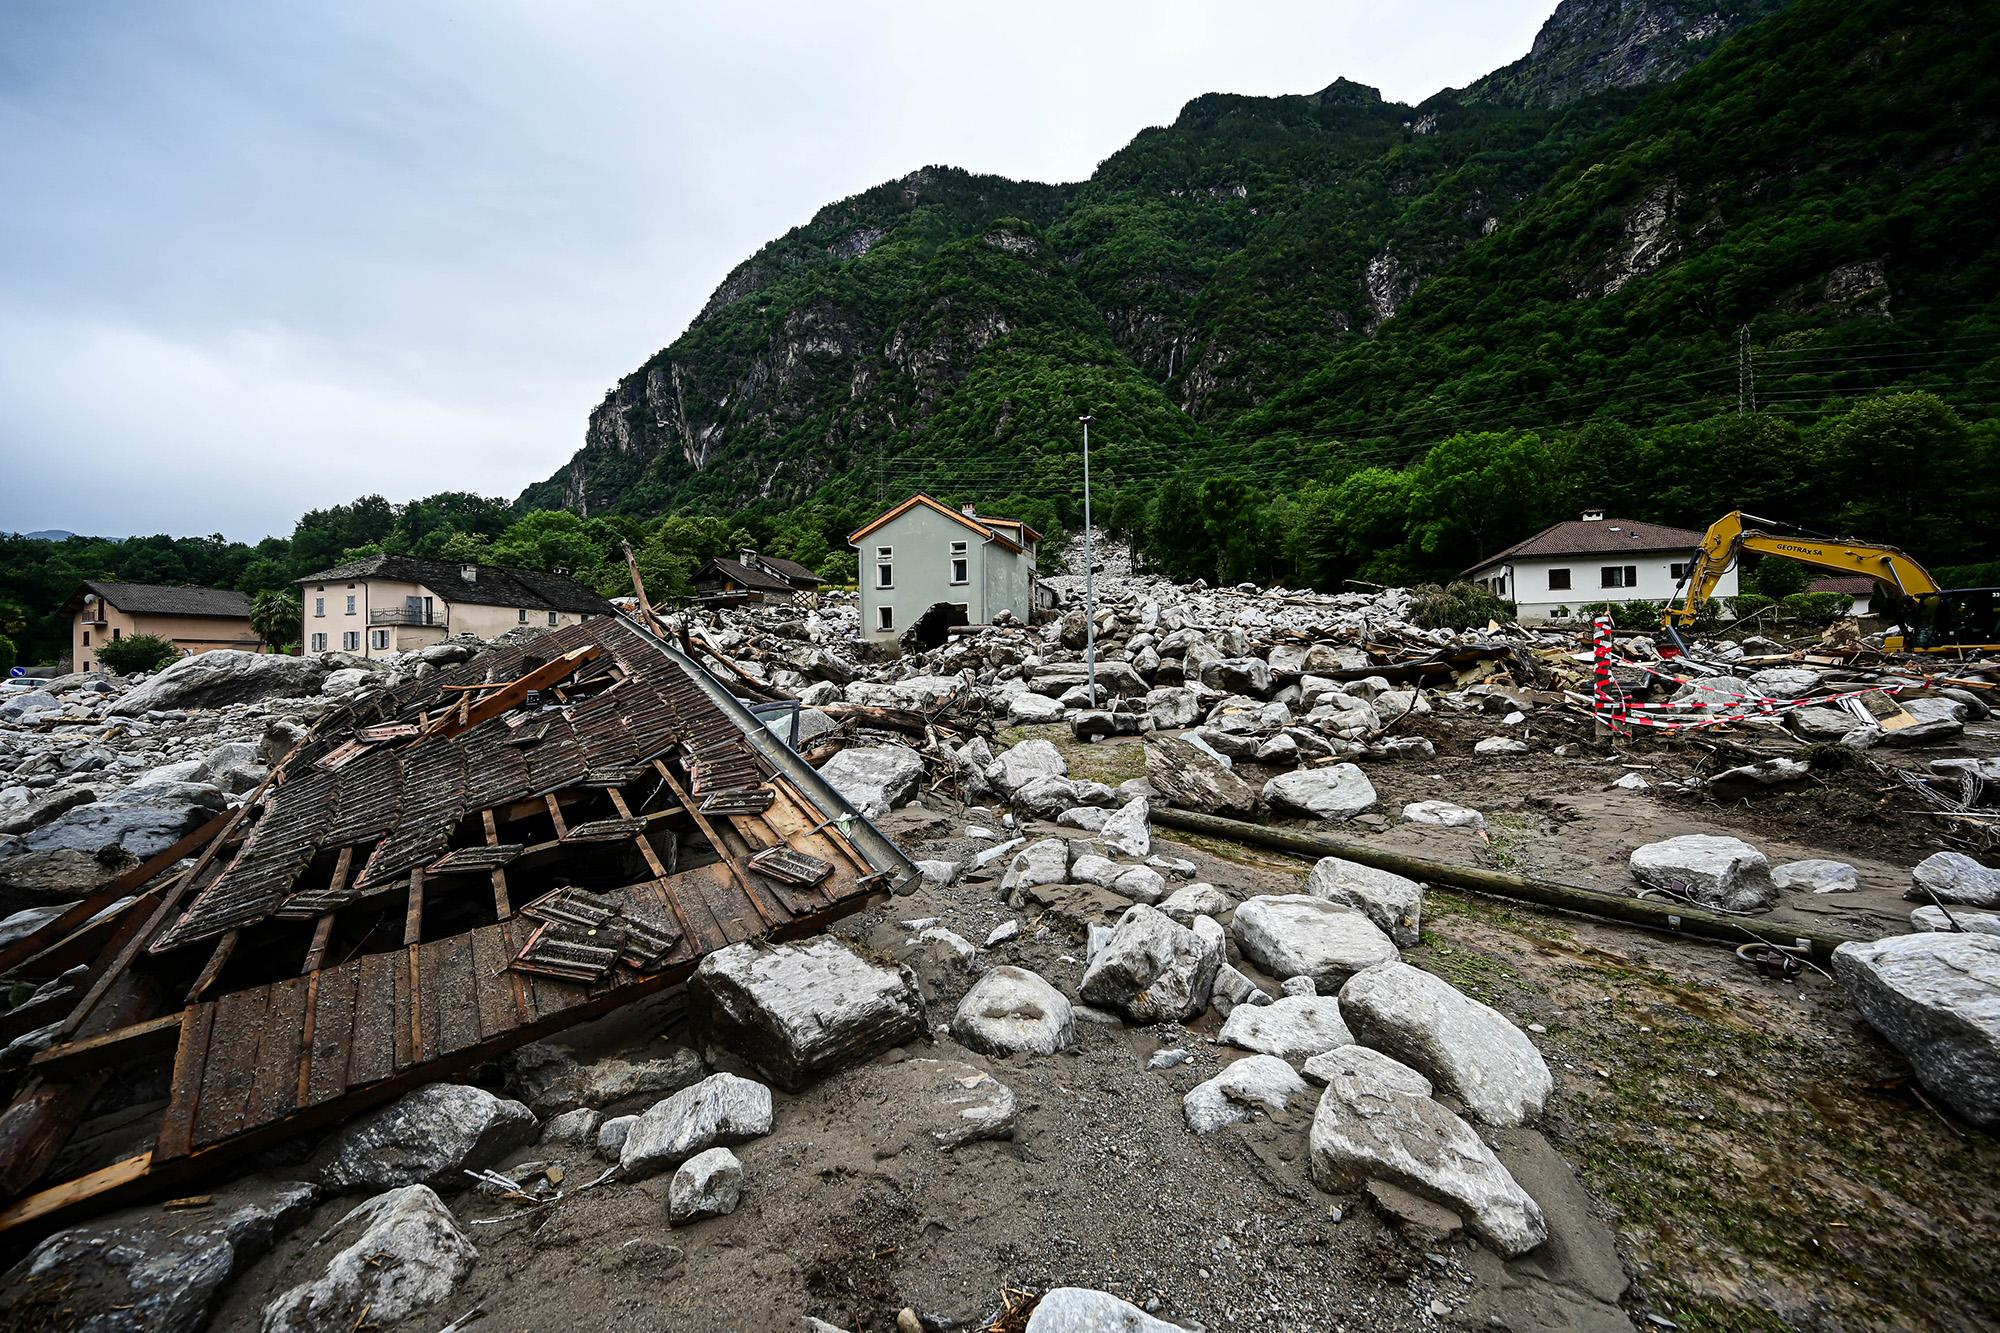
1933,619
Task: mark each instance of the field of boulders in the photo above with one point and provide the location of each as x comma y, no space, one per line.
1092,1072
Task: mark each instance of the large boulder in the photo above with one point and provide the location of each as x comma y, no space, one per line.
1296,935
798,1011
1338,791
875,779
1046,796
43,807
1234,1095
1389,900
1083,1310
1816,876
1938,918
1470,1050
1196,779
1173,707
148,1269
1442,814
138,822
721,1111
1954,877
551,1081
1030,709
1152,969
1042,862
210,680
1937,720
406,1254
1238,675
1818,723
1293,1027
1376,1121
914,692
431,1137
1936,998
1128,831
1708,869
1010,1010
1020,764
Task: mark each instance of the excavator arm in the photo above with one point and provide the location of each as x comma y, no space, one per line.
1727,541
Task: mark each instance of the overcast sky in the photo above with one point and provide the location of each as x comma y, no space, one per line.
261,257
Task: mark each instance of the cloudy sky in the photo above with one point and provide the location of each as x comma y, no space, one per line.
258,257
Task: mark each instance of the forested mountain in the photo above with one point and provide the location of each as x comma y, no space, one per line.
1200,270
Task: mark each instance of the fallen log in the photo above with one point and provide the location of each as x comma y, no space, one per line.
1652,913
906,720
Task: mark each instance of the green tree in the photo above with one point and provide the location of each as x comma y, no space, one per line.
1472,494
276,618
1902,465
140,652
9,655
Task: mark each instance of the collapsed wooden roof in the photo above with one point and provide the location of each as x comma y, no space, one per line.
436,875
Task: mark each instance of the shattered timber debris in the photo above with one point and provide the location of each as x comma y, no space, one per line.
438,872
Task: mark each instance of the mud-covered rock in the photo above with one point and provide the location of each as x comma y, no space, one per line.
1010,1010
799,1011
721,1111
1393,903
406,1253
431,1137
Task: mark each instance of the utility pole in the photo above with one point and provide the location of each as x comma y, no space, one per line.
1746,375
1089,580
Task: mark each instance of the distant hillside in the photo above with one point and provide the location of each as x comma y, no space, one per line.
1290,287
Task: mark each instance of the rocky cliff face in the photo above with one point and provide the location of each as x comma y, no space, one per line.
1588,46
1203,268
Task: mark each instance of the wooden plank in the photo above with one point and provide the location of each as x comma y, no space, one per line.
516,933
372,1049
191,1053
722,848
469,715
48,1203
556,814
218,959
225,1080
274,1088
492,983
413,915
136,1042
502,907
458,990
429,997
330,1052
408,1022
316,955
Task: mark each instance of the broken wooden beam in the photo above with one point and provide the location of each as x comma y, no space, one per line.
156,1036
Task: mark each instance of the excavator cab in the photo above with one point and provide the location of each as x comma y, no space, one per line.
1951,618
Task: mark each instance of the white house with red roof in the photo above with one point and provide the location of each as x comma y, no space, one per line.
1552,575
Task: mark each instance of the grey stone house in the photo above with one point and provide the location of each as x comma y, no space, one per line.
921,553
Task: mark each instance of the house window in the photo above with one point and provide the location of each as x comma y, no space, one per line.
319,643
350,604
885,617
1559,580
960,563
86,638
350,641
552,617
524,615
319,606
379,638
1618,576
1677,572
117,633
885,569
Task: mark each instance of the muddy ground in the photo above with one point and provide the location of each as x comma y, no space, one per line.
1723,1151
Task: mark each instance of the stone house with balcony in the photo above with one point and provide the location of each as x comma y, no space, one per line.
1552,575
400,603
921,553
196,620
768,578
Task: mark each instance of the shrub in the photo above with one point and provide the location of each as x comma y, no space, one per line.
141,652
1747,604
1625,615
1458,606
1817,608
9,654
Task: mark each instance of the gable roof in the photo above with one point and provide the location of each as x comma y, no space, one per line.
790,569
985,527
771,579
497,585
1595,537
160,600
1854,585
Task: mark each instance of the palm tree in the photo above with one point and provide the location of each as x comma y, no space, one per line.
276,618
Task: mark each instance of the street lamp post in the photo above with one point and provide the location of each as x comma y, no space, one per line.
1089,583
